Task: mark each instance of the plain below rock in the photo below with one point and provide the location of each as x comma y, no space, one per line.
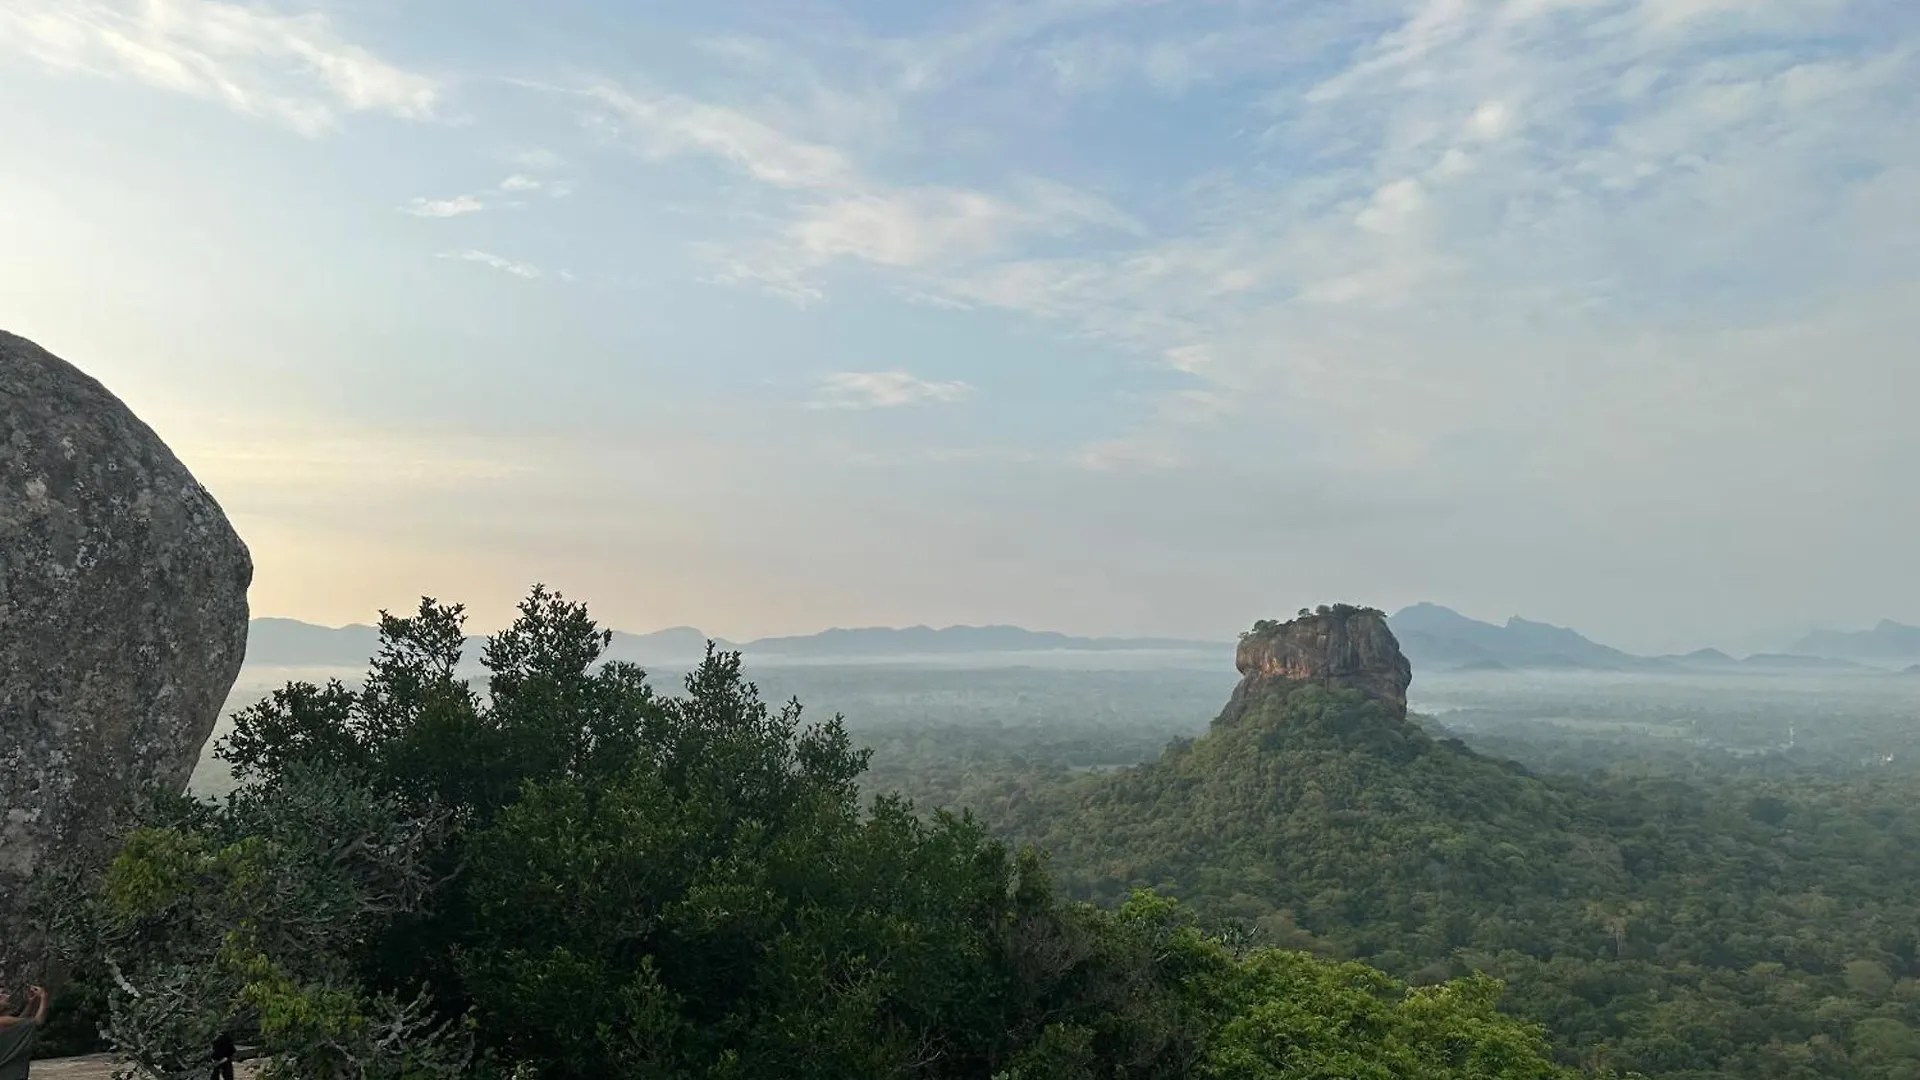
123,621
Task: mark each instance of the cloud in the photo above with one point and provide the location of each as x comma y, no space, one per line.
1393,206
290,69
504,265
671,125
983,42
903,229
1193,50
923,230
1407,264
834,210
1129,455
516,184
521,183
910,227
1542,169
1397,226
885,390
1556,267
539,159
445,208
1490,121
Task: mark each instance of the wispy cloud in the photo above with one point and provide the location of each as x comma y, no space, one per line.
836,210
521,184
1382,217
446,208
516,184
1557,265
292,69
1398,245
1145,454
980,42
671,125
914,229
497,262
539,159
885,390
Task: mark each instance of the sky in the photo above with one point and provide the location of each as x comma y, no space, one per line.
1104,316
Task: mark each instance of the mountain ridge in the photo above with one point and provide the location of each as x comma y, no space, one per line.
1887,640
1434,637
287,642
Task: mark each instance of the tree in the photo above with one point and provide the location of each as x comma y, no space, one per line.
1304,1019
569,875
252,915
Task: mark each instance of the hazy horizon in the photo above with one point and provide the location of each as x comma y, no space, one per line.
1780,642
1108,317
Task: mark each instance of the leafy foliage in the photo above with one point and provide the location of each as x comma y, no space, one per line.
1700,928
569,875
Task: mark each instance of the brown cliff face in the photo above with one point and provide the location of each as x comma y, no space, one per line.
1339,646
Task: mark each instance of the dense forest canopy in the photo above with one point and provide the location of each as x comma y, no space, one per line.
562,870
565,873
1763,926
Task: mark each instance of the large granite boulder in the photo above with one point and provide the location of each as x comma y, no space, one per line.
123,622
1339,646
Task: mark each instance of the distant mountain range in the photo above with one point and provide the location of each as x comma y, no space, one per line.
1888,641
880,641
1435,638
1439,638
291,643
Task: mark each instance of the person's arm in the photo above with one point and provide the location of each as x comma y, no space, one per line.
35,1012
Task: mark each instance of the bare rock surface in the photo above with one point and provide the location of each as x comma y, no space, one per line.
1339,646
123,620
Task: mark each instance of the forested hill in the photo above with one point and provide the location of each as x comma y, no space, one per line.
1680,930
576,877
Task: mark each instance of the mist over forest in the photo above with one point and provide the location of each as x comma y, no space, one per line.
1661,768
927,718
982,540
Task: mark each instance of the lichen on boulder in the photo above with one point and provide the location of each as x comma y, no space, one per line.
123,621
